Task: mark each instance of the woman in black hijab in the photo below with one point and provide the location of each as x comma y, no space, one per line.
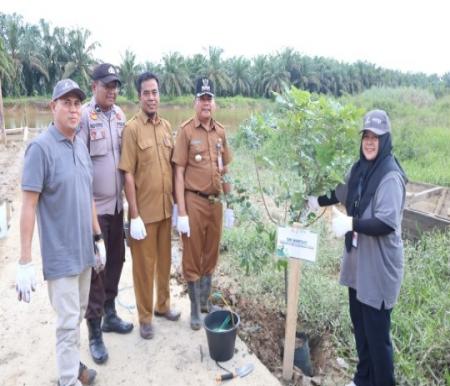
372,261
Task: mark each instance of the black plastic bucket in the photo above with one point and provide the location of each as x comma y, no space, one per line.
221,340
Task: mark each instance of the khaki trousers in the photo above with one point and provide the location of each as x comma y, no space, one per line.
150,255
69,298
201,249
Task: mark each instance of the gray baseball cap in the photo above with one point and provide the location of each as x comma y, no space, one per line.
377,121
64,86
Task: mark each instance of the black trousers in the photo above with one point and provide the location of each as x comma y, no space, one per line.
104,285
373,343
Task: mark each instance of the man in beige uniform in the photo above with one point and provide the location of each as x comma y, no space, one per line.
147,146
201,157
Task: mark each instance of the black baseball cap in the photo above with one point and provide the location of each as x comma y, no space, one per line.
106,73
204,86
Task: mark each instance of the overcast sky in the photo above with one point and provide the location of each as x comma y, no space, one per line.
399,34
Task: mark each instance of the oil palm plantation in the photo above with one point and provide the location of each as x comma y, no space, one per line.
175,77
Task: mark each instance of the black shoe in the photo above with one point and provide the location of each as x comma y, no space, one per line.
96,346
112,323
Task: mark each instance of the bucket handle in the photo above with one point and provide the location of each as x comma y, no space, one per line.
218,294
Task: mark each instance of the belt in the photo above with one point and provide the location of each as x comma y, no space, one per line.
212,198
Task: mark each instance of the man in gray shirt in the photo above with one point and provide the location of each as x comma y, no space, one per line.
57,186
101,128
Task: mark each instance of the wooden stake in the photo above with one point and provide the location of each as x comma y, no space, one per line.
294,268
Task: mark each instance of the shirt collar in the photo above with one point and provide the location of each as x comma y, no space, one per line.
93,103
197,123
146,119
56,133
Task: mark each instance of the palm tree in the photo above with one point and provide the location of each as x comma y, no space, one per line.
275,79
175,78
34,69
128,71
5,73
80,53
215,71
196,66
239,69
260,67
13,29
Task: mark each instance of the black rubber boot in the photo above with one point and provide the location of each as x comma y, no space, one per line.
112,323
96,345
205,291
194,296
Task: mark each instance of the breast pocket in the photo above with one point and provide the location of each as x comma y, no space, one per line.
146,152
97,142
198,154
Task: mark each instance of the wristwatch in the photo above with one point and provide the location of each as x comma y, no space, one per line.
98,237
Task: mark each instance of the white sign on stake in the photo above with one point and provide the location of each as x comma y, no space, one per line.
297,243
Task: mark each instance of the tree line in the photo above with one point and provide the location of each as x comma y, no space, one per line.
33,57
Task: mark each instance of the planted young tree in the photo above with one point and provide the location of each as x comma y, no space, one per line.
311,139
309,143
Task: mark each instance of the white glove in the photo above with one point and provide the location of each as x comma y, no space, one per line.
137,228
313,203
228,218
100,255
183,225
341,223
174,215
25,281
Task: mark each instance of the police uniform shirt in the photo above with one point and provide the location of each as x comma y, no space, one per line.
102,134
198,150
147,148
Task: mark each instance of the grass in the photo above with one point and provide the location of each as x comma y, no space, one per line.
420,127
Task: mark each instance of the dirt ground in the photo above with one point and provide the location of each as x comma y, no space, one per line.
176,356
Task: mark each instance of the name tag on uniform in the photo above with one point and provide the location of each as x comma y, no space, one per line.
96,134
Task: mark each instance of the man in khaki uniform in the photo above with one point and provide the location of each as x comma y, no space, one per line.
201,157
147,147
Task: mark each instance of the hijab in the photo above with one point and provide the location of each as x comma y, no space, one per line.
365,177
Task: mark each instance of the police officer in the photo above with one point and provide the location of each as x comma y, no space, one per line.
201,157
101,128
146,161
